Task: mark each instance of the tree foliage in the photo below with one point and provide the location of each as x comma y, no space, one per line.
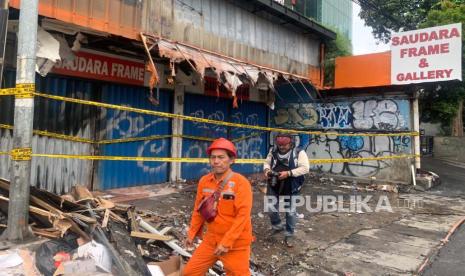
440,104
341,46
386,16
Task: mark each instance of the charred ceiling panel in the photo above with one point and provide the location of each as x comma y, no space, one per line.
225,28
217,25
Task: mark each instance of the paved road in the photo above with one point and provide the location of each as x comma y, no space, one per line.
451,257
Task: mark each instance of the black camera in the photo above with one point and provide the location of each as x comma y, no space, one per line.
273,178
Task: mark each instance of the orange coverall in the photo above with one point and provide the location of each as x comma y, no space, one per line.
231,228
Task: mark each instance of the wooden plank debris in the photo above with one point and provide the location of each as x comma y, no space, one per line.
82,194
150,236
116,226
127,248
132,220
170,243
106,216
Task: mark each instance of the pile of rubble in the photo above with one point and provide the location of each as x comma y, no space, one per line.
87,234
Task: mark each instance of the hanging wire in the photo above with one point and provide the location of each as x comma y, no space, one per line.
295,90
305,88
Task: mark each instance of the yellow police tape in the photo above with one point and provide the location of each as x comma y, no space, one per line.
124,140
6,126
201,160
22,90
25,90
132,139
63,136
21,154
54,135
8,91
246,137
205,160
209,121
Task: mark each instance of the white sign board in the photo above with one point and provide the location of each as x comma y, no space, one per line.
427,55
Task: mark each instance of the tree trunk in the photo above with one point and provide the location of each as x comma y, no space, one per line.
457,122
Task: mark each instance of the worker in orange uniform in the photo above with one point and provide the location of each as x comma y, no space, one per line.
228,237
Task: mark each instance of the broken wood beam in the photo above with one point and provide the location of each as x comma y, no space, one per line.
36,211
120,263
171,243
51,233
82,194
132,220
106,216
150,236
54,218
83,218
127,248
114,216
105,203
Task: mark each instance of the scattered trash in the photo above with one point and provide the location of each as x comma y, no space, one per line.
95,233
155,270
47,253
97,252
61,257
386,187
76,267
426,179
10,260
171,267
121,235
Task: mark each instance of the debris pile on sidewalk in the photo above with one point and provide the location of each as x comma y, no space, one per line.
88,234
426,180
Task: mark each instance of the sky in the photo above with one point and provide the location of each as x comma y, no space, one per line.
363,41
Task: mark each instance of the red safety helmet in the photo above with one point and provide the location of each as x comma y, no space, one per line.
284,139
224,144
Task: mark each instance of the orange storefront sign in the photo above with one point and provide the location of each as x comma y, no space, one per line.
363,70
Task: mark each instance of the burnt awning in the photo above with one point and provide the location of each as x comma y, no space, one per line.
229,71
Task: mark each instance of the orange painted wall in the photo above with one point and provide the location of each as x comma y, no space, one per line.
111,16
363,70
116,17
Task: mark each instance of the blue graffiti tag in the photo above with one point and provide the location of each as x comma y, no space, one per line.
352,143
401,143
334,116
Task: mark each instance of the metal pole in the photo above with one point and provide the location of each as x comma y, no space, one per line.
416,127
176,140
18,228
3,33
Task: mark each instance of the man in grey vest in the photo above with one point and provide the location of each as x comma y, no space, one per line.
285,167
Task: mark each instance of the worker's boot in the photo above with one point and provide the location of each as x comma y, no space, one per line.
289,241
276,229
